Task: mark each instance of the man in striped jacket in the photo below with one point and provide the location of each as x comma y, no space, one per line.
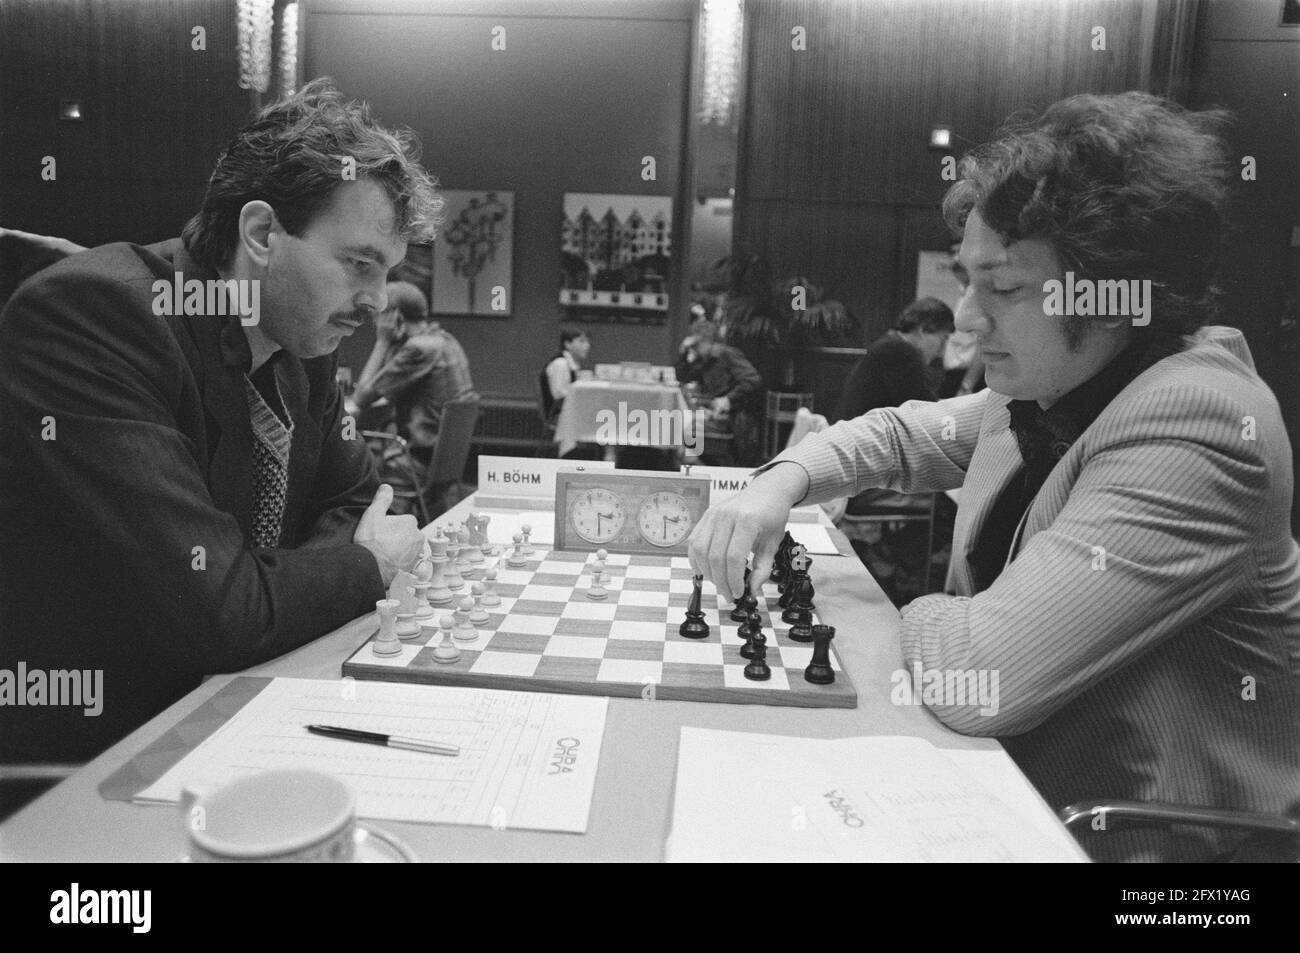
1122,557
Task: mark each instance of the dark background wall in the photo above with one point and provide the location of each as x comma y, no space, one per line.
1247,63
581,93
835,180
156,114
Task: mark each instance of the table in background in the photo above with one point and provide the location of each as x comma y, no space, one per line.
632,805
579,420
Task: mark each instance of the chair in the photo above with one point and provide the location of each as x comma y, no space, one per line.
545,411
780,411
922,512
1277,837
446,467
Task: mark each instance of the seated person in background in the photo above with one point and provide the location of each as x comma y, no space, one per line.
727,382
417,365
562,370
187,477
1122,562
894,371
556,380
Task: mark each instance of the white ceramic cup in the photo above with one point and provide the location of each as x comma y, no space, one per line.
272,816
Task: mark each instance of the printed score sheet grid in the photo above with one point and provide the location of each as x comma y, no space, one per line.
527,760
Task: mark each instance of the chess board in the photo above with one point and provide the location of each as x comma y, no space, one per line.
547,636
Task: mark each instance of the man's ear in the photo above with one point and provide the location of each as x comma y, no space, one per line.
257,222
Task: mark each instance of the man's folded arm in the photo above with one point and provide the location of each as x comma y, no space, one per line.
121,472
1158,530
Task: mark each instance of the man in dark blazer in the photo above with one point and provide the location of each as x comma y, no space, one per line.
180,490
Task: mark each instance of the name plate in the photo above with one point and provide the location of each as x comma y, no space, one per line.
728,481
525,482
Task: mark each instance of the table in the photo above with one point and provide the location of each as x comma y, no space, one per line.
581,416
632,807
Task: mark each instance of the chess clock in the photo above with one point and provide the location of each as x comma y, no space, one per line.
628,511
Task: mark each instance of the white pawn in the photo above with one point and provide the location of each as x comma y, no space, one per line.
446,650
407,627
465,631
490,597
527,531
479,615
597,590
452,578
465,564
517,559
386,642
422,608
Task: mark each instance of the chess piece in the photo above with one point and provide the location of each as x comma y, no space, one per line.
439,594
452,578
386,642
422,608
526,531
752,627
446,650
819,670
464,563
694,627
517,560
465,631
597,590
746,604
423,570
798,557
757,670
407,626
490,597
478,615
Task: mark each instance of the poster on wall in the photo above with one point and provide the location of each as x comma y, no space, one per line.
472,256
615,251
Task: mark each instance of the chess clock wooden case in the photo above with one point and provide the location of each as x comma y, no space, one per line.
636,512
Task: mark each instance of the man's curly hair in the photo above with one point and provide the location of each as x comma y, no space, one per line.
291,156
1124,186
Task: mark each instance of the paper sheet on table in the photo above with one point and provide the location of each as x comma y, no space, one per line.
751,797
506,775
816,539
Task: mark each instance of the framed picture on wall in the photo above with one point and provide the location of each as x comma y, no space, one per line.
615,251
472,256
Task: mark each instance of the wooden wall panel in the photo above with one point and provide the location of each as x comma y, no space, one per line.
157,113
835,179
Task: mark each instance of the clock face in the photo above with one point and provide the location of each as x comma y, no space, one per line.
597,515
664,519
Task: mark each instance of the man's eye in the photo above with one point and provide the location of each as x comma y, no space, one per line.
1005,292
359,264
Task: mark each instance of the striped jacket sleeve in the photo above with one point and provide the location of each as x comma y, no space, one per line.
919,447
1156,532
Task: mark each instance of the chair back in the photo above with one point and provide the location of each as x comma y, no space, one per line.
545,402
455,431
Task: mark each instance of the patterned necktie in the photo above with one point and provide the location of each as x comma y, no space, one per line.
271,443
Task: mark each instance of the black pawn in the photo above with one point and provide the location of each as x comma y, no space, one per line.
799,611
752,626
819,670
757,670
694,627
741,612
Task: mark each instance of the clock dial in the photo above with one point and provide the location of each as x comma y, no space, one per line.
597,515
664,519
